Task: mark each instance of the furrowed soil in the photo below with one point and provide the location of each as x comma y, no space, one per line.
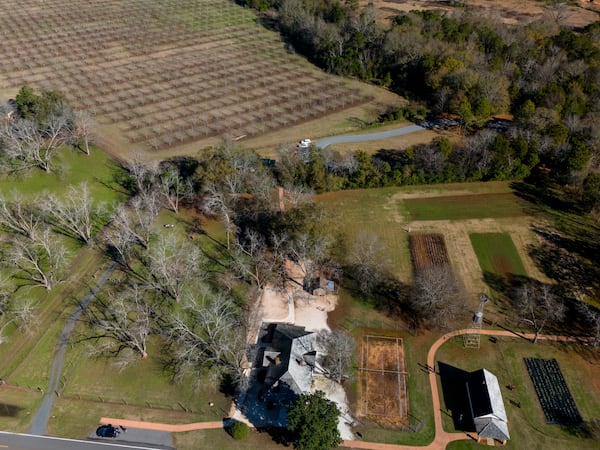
456,232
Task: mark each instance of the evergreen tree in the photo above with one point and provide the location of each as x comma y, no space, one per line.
313,420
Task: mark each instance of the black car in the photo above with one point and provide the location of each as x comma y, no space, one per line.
107,431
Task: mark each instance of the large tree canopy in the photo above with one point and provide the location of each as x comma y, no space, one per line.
312,420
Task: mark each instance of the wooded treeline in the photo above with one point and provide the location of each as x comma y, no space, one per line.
465,65
455,62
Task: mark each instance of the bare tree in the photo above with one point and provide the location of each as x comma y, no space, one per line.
75,215
83,128
438,295
143,177
537,305
339,349
18,216
309,252
208,332
252,258
592,319
17,310
172,265
123,321
220,204
132,223
368,261
297,195
173,188
26,145
39,261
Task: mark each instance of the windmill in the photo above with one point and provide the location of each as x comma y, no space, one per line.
473,337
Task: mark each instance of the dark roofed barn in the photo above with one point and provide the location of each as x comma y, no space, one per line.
487,407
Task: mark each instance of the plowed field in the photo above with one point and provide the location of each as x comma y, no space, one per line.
428,250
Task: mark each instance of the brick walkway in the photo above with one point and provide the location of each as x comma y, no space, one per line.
161,426
442,438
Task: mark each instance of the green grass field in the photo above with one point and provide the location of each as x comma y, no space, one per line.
497,254
71,168
464,207
526,424
370,210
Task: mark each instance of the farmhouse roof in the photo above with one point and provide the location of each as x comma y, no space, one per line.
487,406
290,357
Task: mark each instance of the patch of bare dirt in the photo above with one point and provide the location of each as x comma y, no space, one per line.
462,256
507,11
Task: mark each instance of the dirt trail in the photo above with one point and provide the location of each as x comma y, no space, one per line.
161,426
442,438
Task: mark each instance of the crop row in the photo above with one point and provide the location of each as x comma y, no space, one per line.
164,72
428,250
552,390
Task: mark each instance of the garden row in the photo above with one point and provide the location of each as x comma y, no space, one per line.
428,250
552,390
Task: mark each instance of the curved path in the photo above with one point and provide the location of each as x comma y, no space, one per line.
345,138
442,438
40,420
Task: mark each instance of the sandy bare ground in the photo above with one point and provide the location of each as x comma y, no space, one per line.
295,306
456,234
335,392
506,11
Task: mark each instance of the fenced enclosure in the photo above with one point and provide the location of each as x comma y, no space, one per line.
384,380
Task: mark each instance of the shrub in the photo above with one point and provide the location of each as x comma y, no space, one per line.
239,430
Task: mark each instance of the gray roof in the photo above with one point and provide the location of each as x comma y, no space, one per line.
487,406
291,357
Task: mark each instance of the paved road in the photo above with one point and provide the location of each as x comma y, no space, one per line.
40,420
345,138
13,441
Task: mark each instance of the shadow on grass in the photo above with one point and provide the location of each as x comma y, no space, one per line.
587,430
8,410
456,398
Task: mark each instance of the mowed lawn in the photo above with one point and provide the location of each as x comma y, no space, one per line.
496,253
369,210
464,207
70,169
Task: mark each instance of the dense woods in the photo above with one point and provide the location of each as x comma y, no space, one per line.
467,66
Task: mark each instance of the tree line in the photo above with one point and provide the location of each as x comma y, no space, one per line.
462,64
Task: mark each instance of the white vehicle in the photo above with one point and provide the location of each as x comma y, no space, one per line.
304,143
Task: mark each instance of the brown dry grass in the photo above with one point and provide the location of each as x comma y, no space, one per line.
384,395
507,11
